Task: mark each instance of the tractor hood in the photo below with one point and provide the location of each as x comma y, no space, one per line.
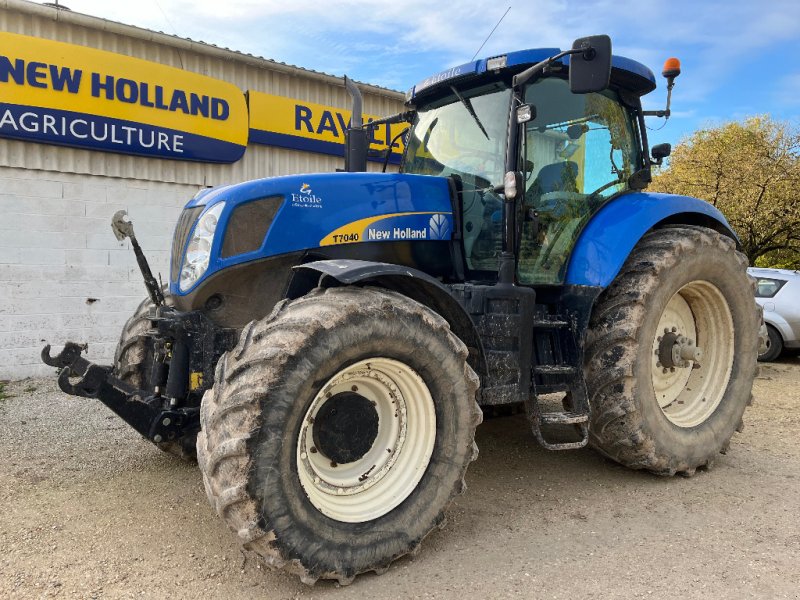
279,215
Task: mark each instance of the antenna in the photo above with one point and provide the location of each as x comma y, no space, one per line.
166,18
490,34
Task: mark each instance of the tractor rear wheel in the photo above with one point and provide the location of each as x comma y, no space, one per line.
671,352
132,361
338,431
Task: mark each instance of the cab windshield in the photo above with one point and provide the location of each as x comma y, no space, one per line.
463,136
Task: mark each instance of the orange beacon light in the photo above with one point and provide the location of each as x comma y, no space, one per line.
672,68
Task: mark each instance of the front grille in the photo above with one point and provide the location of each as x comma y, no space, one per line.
182,229
248,225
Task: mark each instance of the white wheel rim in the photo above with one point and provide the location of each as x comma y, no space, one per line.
689,395
390,470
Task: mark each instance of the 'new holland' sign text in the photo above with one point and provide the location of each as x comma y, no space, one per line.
77,96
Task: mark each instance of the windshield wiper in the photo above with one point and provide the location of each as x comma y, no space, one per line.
468,105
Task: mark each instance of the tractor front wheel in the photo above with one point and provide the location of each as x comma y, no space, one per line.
671,352
338,431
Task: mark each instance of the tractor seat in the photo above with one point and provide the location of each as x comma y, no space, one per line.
555,187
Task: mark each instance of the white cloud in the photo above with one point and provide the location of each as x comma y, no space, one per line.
398,42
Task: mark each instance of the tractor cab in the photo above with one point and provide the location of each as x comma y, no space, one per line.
572,152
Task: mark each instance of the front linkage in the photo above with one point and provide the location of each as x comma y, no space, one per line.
184,348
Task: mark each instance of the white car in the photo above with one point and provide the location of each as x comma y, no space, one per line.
778,292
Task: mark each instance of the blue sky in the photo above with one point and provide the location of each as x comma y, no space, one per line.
739,57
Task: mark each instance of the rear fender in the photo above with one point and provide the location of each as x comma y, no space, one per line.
410,282
609,237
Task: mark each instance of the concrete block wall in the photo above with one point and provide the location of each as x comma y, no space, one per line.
63,274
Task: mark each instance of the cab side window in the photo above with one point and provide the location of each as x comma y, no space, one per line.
576,153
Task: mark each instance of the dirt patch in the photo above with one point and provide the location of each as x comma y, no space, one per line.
90,510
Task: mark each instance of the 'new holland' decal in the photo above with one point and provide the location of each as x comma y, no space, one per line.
436,226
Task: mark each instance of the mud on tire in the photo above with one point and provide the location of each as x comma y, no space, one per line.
265,390
132,360
671,430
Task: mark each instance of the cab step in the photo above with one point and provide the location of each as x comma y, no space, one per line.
563,418
557,368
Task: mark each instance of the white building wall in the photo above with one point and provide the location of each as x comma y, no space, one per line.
63,274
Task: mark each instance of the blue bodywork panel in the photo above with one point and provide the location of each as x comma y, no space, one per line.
530,57
609,237
332,209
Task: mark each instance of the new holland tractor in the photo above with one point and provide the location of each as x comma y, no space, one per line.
329,343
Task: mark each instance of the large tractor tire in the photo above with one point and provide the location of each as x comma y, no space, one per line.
338,431
657,403
132,361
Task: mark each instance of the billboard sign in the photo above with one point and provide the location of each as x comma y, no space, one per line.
59,93
299,125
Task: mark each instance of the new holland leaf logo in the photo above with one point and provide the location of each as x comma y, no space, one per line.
305,189
440,227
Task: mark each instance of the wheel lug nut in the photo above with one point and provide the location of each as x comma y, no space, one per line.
672,369
354,388
674,329
313,450
333,464
665,370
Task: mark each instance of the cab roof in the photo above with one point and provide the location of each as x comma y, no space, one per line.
625,73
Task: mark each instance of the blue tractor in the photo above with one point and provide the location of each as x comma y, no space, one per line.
330,342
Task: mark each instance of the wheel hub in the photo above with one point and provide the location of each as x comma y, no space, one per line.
345,427
677,351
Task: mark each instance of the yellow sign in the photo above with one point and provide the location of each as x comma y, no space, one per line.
61,93
291,123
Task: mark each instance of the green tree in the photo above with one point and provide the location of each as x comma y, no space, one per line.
749,170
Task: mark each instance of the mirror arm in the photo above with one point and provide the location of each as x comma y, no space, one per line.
521,78
403,117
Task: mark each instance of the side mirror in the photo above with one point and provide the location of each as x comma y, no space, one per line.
660,152
590,70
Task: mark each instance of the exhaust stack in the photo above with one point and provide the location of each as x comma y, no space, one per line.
356,145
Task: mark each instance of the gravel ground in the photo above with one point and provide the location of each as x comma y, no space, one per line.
90,510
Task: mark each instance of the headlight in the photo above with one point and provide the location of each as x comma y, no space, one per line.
198,250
